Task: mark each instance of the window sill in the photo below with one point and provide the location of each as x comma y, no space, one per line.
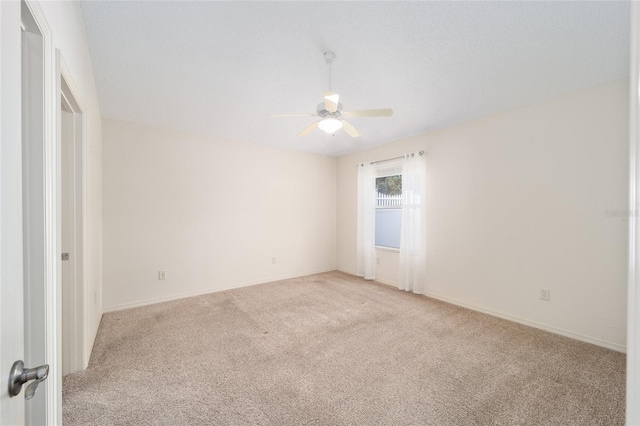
391,249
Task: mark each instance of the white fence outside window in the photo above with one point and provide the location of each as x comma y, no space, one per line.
388,215
384,200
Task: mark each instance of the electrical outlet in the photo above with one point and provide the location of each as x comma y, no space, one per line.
545,294
161,275
273,260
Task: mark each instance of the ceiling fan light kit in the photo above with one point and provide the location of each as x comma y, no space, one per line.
330,125
332,112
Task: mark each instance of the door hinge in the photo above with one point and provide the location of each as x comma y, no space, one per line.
65,256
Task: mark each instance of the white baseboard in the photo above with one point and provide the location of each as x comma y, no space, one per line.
562,332
348,272
88,350
378,280
97,323
387,283
208,291
581,337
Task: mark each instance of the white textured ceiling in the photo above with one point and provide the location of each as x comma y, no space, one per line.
222,68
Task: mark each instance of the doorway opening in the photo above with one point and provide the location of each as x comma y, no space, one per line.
71,227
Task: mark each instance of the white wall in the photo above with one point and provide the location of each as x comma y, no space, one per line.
387,264
517,201
68,33
211,213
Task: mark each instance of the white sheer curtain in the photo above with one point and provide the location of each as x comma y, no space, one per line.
412,237
366,221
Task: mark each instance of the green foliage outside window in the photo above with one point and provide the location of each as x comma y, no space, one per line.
389,185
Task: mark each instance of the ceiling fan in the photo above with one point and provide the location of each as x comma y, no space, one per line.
332,113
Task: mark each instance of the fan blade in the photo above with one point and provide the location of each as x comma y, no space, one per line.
368,113
308,129
351,131
331,101
294,115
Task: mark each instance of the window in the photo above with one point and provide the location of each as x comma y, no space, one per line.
388,212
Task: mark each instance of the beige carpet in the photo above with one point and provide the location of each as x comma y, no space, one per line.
332,349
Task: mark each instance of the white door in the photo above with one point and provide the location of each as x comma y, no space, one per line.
11,287
11,297
34,227
66,234
71,214
28,220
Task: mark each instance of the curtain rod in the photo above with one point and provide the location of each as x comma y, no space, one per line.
395,158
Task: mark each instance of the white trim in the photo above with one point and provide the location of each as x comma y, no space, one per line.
389,249
95,331
87,300
209,291
576,336
562,332
387,283
73,88
52,223
82,350
633,296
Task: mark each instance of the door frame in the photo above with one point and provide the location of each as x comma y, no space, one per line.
78,324
52,272
633,297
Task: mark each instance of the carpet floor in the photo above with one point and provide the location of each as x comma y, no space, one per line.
333,349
